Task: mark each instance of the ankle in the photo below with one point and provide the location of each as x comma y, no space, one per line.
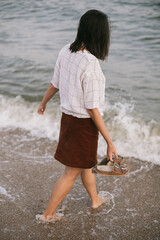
46,214
98,202
95,199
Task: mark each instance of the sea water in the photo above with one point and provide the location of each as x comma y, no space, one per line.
31,35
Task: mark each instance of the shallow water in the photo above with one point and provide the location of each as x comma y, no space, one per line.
28,173
31,35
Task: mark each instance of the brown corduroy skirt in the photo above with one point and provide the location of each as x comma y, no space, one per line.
78,141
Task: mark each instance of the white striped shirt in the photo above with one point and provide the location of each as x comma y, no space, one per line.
80,81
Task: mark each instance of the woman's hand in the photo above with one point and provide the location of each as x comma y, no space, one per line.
51,91
41,109
111,151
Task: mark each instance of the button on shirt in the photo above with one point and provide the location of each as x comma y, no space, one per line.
80,81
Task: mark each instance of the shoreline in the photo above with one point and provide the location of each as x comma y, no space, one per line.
28,173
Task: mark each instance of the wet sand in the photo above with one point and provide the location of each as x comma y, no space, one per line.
28,173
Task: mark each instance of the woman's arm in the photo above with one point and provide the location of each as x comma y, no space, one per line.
51,91
98,120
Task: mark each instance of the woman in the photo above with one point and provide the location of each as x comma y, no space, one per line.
81,84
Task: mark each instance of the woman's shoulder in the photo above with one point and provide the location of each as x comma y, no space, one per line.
92,62
87,56
64,49
84,58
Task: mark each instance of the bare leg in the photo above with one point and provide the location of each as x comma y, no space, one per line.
88,180
61,189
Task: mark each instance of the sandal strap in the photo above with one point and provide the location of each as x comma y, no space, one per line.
120,167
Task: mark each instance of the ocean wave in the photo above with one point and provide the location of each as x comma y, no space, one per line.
18,113
132,136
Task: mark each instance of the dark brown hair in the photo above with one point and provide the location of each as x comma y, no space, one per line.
93,34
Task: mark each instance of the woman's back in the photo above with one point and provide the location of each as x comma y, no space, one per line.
76,75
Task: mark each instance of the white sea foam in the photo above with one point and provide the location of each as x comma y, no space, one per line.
110,200
132,136
4,192
17,113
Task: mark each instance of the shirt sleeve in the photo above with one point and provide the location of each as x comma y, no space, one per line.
55,79
91,89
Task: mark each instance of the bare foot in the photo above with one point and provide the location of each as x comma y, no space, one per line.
49,218
99,202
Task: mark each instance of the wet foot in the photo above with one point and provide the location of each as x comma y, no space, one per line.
49,218
99,202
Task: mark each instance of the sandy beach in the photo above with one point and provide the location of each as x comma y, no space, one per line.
31,36
28,173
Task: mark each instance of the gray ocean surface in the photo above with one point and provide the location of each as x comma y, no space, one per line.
31,35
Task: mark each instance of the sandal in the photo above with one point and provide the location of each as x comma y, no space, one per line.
108,168
120,159
107,162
